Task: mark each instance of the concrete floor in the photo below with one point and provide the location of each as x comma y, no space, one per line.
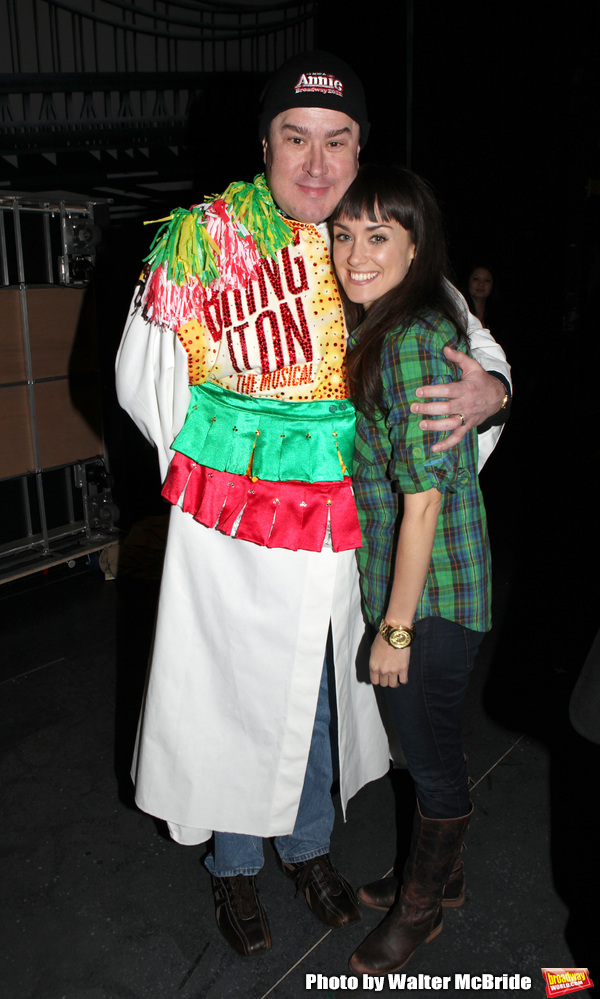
98,903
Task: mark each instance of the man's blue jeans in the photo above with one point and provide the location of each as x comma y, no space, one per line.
427,714
235,853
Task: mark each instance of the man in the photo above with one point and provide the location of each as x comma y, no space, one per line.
231,364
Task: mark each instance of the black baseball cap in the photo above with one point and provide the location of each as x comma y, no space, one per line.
314,79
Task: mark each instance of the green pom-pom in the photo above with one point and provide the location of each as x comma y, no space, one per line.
252,205
185,246
187,251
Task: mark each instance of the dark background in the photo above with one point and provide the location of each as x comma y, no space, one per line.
496,104
505,125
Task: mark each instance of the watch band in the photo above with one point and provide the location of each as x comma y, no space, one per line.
398,636
498,419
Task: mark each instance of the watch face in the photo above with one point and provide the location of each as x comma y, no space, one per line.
399,638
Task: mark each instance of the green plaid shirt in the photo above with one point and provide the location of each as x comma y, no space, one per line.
393,456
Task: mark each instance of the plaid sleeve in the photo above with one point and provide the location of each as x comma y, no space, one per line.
412,358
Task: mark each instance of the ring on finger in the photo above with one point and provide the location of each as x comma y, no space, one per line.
463,422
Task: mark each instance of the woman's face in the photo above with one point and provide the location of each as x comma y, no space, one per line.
370,258
481,283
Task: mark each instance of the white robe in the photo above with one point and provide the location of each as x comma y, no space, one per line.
238,651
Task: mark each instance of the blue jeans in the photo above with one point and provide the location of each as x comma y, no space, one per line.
427,714
235,853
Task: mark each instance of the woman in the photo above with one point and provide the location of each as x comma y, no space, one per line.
479,288
424,562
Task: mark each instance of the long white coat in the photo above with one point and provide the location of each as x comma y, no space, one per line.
238,651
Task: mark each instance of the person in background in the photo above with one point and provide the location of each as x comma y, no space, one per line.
480,286
483,298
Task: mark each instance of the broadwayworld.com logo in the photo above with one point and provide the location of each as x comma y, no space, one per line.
560,981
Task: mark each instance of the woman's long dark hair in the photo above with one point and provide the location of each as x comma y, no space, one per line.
388,193
491,314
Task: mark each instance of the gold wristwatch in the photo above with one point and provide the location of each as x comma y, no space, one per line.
399,637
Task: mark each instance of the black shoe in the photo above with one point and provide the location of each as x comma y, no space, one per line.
328,894
240,915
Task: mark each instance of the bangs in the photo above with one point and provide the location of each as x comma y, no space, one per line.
376,193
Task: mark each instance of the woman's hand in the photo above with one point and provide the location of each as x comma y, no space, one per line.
388,667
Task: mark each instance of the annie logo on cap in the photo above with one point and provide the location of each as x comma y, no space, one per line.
319,82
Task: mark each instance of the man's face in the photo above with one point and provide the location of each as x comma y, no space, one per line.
311,158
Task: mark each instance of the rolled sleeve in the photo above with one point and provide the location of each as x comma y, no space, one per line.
411,359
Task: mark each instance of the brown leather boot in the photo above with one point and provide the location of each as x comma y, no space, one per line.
416,917
382,894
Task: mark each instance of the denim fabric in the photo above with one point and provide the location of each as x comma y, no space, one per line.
427,714
235,853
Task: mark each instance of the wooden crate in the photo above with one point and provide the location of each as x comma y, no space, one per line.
65,416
